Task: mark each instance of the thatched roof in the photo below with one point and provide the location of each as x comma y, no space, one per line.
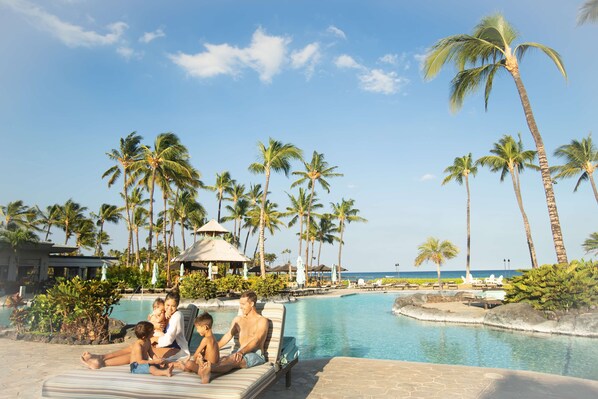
211,250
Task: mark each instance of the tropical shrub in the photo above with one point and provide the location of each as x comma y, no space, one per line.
231,283
266,287
196,285
76,308
129,276
557,287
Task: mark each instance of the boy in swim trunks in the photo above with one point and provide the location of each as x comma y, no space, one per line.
141,352
208,350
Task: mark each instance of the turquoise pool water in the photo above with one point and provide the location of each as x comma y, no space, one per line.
364,326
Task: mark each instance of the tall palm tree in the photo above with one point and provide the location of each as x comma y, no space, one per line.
197,218
317,170
168,156
71,214
125,156
345,213
48,218
269,215
490,46
580,157
325,232
237,213
85,233
510,157
298,211
236,192
591,244
108,213
459,171
222,185
16,237
139,219
588,12
277,157
434,250
185,205
17,214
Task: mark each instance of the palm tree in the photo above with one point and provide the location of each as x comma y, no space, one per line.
325,229
269,216
222,185
138,220
185,205
125,156
16,237
237,213
236,192
85,233
197,218
580,157
17,214
48,218
433,250
490,46
510,157
108,213
591,243
167,157
459,171
298,210
315,171
344,213
588,12
276,157
71,214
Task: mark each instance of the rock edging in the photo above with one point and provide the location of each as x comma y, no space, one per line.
513,316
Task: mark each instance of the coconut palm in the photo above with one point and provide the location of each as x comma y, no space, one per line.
48,218
298,211
85,233
317,170
71,215
197,218
108,213
460,171
16,237
591,244
588,12
510,158
277,157
125,156
139,219
236,193
580,157
222,185
434,250
167,157
478,57
17,214
185,205
345,213
324,233
237,213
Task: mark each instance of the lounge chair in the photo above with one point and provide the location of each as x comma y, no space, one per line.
118,382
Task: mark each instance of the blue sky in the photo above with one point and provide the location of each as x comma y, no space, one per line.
339,77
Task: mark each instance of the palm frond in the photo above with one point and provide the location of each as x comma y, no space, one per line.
522,48
588,12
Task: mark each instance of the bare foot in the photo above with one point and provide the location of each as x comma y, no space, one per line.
204,372
169,369
93,363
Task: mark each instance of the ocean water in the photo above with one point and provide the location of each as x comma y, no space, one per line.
453,274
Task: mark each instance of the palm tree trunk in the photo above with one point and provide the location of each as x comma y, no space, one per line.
340,248
319,251
468,265
528,232
593,183
137,257
263,225
308,222
219,204
300,233
48,231
438,271
246,241
183,234
66,232
128,217
166,242
151,220
99,240
555,224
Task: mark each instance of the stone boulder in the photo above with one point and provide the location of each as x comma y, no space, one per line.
519,316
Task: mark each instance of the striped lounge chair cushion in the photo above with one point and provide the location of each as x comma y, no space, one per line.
118,382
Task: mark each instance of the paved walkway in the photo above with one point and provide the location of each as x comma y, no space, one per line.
27,364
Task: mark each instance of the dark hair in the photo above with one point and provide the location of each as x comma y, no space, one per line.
157,301
250,295
204,319
144,329
174,295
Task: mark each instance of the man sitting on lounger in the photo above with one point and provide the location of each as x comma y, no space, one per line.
252,329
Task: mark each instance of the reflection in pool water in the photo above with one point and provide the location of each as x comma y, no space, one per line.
364,326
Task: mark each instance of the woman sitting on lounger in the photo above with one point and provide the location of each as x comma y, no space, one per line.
171,344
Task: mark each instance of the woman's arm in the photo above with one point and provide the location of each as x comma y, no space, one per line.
176,325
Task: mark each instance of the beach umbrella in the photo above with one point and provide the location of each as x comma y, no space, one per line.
300,271
245,271
333,276
155,274
141,266
182,271
210,271
104,269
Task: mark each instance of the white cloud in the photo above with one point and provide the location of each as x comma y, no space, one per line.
391,59
266,55
128,53
149,36
306,58
346,61
70,34
378,81
336,32
427,176
420,58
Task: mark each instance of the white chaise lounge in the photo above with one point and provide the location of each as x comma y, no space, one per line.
118,382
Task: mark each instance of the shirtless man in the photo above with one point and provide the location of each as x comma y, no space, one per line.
252,329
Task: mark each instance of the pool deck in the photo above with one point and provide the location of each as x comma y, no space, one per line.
28,364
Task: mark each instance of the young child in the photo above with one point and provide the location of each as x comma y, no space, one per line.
208,349
141,351
157,317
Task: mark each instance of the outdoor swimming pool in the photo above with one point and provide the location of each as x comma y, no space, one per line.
364,326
